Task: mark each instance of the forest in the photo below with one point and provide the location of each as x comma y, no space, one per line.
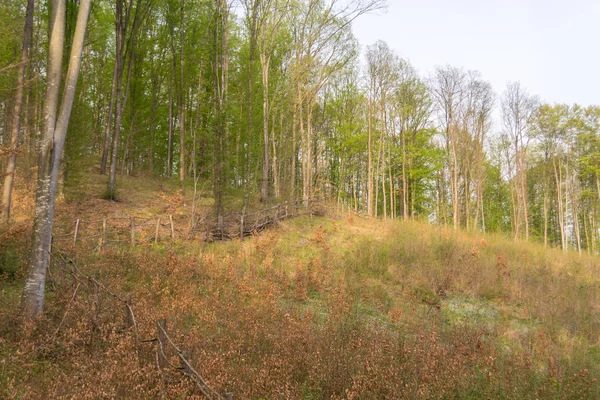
275,99
454,253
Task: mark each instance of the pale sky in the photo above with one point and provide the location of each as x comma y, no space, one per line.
551,46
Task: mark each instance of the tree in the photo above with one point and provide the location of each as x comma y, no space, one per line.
125,46
418,156
588,163
448,90
16,121
220,88
268,18
51,148
518,109
383,76
477,118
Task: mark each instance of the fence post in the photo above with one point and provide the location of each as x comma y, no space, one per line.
63,264
184,364
76,231
132,230
73,272
172,227
130,323
104,232
156,232
242,222
128,317
95,307
207,229
162,339
192,226
220,226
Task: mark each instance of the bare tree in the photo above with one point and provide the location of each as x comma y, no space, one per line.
448,89
477,119
518,109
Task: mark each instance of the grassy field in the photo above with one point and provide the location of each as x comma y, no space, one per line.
321,307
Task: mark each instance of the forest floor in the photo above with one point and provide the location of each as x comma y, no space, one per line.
318,307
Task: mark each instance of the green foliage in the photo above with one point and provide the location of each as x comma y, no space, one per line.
11,33
10,260
496,200
110,195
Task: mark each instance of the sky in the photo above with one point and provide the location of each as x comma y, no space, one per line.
552,47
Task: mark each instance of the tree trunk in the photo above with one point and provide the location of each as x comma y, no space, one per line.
369,163
404,181
221,80
16,122
252,39
121,101
302,137
182,146
108,126
390,177
594,231
156,87
545,217
181,101
275,163
170,138
294,155
27,134
575,210
264,187
384,132
51,150
455,199
524,196
196,127
561,220
120,27
308,155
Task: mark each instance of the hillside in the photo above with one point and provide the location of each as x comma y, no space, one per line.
254,200
318,307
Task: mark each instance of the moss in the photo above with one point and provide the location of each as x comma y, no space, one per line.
460,310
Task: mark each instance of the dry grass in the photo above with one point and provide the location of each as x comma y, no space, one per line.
319,308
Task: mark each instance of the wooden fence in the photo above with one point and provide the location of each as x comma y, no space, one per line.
240,225
137,230
110,230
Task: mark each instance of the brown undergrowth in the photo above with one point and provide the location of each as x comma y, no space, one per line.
317,308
